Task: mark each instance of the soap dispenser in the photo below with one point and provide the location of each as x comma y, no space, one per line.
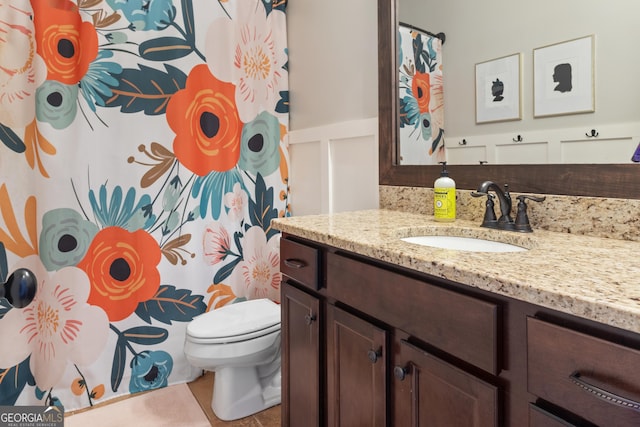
444,197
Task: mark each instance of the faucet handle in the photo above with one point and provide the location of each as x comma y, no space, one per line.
522,219
522,198
489,219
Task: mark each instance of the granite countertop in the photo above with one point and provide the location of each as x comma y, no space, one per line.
590,277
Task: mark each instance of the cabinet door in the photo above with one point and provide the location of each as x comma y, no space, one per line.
430,392
356,371
300,357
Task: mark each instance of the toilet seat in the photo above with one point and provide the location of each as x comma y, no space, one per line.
235,323
235,338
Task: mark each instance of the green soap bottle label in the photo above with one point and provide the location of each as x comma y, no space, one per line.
444,203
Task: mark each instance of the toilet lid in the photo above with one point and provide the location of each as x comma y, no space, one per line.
253,317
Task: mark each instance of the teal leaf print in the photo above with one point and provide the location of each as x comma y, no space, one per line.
225,271
119,363
436,140
145,15
4,308
171,304
409,112
282,106
212,188
96,85
189,25
13,381
4,272
11,140
40,394
164,49
145,335
124,212
418,58
280,5
146,89
4,269
261,211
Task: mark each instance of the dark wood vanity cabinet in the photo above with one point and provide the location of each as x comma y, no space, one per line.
301,355
302,335
428,391
368,344
347,355
357,354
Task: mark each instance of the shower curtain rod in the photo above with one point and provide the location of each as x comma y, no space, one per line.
440,36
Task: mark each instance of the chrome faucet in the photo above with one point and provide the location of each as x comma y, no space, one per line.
505,222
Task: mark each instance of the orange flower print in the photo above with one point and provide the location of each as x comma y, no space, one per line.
205,119
122,269
66,43
421,88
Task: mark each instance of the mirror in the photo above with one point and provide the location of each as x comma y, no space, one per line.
611,180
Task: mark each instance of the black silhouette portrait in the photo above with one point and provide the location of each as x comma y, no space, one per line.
562,76
497,88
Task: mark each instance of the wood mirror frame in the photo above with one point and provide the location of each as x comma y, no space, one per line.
599,180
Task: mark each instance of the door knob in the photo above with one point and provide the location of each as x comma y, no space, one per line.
400,373
309,318
374,355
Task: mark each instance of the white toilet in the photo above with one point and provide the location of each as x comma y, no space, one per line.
241,343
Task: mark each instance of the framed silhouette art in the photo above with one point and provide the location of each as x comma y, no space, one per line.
563,78
499,89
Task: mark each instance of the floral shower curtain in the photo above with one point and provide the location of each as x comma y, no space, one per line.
143,154
421,97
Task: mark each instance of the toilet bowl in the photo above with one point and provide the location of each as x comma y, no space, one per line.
241,344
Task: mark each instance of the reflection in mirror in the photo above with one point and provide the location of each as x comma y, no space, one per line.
484,32
555,125
421,96
611,180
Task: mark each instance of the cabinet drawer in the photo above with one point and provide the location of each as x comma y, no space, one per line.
460,325
300,262
538,417
595,379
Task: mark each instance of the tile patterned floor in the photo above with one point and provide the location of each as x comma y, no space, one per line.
202,389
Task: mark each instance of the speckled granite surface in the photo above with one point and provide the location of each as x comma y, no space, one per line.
592,216
590,277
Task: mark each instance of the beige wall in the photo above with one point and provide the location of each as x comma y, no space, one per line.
333,61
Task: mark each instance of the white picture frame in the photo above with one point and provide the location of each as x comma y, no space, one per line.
499,89
563,78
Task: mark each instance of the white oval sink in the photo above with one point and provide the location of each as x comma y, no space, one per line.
470,244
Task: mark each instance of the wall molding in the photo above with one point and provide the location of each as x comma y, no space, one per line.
605,144
334,168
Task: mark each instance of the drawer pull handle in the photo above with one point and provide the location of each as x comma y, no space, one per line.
604,394
294,263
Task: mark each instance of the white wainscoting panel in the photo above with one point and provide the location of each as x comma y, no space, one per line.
613,143
334,168
307,191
